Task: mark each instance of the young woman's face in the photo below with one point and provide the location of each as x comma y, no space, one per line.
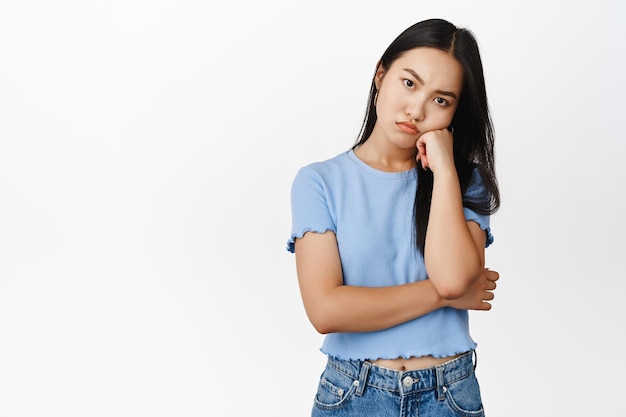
418,93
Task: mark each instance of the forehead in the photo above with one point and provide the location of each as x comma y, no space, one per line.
433,66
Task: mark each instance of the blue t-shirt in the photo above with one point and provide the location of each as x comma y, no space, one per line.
371,213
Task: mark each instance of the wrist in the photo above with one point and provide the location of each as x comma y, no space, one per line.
445,172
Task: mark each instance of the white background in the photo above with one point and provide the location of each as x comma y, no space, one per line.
147,149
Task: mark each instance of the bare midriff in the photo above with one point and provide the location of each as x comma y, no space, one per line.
412,363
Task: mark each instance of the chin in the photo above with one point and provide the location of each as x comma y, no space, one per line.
406,144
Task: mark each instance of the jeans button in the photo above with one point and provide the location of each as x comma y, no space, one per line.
407,381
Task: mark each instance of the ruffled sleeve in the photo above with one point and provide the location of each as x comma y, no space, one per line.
477,192
309,206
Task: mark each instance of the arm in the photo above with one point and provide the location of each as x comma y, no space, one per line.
455,248
334,307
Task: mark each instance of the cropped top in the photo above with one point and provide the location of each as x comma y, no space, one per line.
371,214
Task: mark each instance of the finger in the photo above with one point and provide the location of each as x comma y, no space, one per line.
484,306
422,157
492,275
421,148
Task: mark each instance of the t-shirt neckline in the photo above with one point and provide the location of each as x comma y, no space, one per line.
378,173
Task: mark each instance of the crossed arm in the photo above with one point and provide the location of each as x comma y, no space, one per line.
332,306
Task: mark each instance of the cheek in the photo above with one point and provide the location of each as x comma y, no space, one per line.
385,98
384,104
392,95
441,120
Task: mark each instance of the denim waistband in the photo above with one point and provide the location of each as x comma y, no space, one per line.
405,382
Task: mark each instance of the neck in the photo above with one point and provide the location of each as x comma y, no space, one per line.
386,157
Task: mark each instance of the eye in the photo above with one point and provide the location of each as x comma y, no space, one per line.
442,101
408,83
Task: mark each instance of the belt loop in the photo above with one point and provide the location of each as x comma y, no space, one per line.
441,389
365,368
475,359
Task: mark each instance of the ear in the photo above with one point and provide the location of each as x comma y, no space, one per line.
380,73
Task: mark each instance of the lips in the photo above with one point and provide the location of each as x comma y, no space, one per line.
407,127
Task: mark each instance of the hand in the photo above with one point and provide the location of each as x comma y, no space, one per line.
434,149
479,294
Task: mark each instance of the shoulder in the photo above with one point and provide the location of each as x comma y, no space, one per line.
323,171
476,189
339,161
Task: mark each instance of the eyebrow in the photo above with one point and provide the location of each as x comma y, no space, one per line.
419,79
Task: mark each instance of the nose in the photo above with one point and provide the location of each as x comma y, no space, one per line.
415,108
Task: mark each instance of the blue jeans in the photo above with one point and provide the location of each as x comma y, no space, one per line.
358,388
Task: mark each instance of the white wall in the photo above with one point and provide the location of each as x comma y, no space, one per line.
146,154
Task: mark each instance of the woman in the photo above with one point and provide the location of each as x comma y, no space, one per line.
390,236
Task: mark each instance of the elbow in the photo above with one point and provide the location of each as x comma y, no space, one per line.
324,312
452,280
322,327
322,322
453,289
322,330
451,292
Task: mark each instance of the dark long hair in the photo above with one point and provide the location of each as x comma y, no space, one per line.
473,128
